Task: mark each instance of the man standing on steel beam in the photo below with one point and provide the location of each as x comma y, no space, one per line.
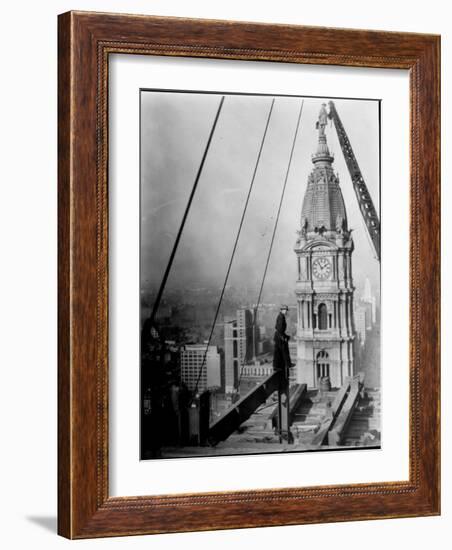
282,362
281,355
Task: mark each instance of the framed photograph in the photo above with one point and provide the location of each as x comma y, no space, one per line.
248,275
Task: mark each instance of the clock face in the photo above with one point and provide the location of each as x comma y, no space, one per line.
321,267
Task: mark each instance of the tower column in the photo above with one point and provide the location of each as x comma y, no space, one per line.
324,249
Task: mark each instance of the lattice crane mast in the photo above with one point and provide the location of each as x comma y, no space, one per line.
365,203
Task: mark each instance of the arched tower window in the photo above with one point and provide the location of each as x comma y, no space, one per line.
322,317
323,364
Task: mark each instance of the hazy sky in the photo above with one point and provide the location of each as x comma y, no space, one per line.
174,133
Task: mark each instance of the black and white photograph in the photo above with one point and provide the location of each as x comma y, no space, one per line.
259,274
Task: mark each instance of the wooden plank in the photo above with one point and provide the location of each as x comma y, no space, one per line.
243,409
297,392
342,420
322,435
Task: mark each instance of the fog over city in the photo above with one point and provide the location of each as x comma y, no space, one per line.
174,132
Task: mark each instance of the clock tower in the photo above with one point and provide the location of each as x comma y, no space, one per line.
324,289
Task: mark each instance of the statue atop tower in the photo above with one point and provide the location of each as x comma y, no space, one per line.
322,121
324,289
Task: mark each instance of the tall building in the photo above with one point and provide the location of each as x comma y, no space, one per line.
361,323
369,298
200,360
367,294
368,336
365,312
240,344
324,289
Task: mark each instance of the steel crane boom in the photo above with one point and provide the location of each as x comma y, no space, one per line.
365,203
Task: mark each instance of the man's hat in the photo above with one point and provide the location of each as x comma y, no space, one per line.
284,307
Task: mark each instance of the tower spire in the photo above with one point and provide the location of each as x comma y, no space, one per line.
323,207
322,153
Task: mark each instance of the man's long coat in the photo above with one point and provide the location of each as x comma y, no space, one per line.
281,356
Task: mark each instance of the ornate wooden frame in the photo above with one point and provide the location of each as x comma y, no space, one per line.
85,42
